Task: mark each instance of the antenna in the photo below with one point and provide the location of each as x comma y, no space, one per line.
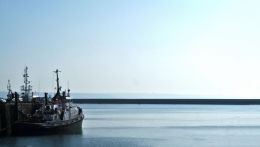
39,87
52,83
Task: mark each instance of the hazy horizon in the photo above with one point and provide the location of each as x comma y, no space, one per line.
86,95
180,47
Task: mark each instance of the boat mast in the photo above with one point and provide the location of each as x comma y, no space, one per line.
68,85
9,95
26,88
57,80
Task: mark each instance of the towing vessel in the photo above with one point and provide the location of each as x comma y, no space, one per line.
34,114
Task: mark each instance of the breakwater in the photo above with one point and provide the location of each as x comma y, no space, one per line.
171,101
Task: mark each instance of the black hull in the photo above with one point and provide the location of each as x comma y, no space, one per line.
73,126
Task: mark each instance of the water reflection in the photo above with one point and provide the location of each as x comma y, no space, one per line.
155,125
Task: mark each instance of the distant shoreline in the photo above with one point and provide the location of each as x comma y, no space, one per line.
171,101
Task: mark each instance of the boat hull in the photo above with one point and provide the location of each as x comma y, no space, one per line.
68,126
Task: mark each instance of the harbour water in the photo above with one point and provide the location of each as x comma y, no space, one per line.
156,125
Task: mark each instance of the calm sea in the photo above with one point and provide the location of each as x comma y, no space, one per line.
157,125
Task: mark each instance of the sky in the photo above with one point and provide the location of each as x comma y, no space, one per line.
133,46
